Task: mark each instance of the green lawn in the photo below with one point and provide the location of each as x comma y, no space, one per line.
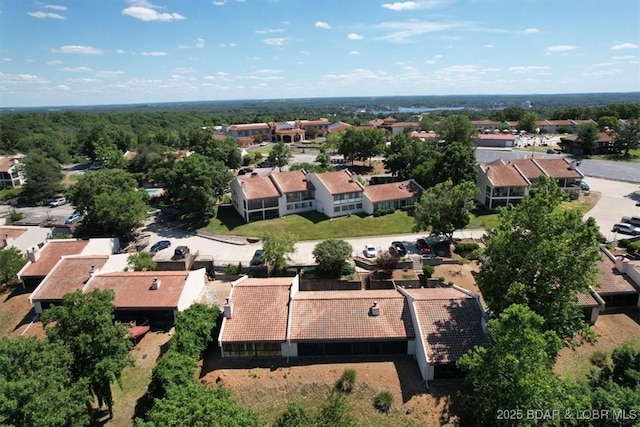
634,156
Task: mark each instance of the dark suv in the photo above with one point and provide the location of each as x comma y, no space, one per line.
181,252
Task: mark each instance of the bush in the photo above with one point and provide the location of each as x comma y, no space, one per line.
14,216
383,401
428,270
463,247
234,269
599,358
624,243
441,278
347,381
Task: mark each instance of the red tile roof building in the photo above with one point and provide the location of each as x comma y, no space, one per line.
11,174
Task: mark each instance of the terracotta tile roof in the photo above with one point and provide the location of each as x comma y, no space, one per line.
6,163
292,181
557,168
339,182
565,122
260,311
450,323
513,123
133,289
344,315
484,122
392,191
71,274
587,300
530,169
313,122
405,125
425,135
502,174
11,232
612,281
376,122
338,127
248,126
130,155
258,187
50,253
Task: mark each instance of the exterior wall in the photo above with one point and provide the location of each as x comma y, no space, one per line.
481,182
324,199
289,349
419,348
237,197
498,143
192,288
283,206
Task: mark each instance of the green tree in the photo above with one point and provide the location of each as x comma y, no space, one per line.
350,142
294,416
84,323
513,372
589,136
371,143
628,137
404,154
280,155
110,200
11,262
456,163
427,124
457,128
44,176
334,412
195,182
445,208
333,141
221,150
527,122
36,388
513,113
141,261
194,329
331,255
324,159
542,258
276,249
608,122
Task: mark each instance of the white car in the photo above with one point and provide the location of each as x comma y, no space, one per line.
370,251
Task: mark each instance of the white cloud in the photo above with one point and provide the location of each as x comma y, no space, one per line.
270,31
63,87
529,69
199,42
488,46
323,25
55,7
430,61
183,70
46,15
219,3
304,52
438,56
402,31
227,45
354,52
413,5
83,80
624,57
154,54
121,51
354,36
561,48
109,74
78,69
5,59
267,71
85,50
56,62
277,41
145,11
624,46
463,73
531,31
21,78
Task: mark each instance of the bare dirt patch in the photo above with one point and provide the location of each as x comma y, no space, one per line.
16,314
462,275
268,386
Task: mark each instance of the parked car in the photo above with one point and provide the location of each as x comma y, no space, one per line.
73,218
370,251
58,202
245,171
399,248
257,258
423,246
158,246
623,227
181,252
551,151
584,186
264,164
633,220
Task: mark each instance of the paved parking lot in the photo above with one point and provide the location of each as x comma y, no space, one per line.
617,199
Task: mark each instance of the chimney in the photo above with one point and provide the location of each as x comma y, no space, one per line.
8,241
375,309
33,254
227,309
92,270
155,285
489,172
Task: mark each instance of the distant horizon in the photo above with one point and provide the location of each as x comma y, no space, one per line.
123,52
152,104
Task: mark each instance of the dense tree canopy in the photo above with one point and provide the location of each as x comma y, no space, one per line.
541,257
84,323
445,208
44,176
276,249
405,153
457,128
361,144
628,137
527,122
456,163
111,201
331,255
280,155
36,385
11,262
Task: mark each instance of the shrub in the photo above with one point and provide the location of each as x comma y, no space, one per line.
347,381
14,216
599,358
441,278
463,261
624,243
428,270
463,247
234,269
348,269
383,401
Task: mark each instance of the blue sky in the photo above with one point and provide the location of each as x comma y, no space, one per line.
87,52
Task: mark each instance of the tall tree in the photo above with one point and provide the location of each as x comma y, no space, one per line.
36,386
195,183
221,150
11,262
628,137
371,143
323,159
44,176
527,122
457,128
445,208
331,255
280,155
514,372
513,113
427,124
276,249
110,200
542,258
589,136
404,154
350,142
608,122
84,323
457,163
